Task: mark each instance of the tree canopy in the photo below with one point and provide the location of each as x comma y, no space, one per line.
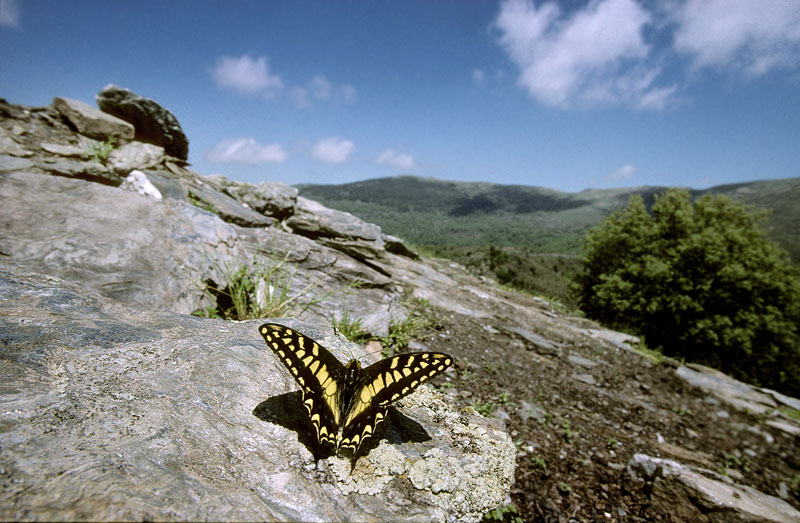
699,281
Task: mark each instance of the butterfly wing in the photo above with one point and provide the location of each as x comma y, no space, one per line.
317,371
381,384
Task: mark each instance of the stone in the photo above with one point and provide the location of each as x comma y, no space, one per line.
728,390
167,184
92,171
114,412
69,151
397,246
585,378
12,163
135,155
540,343
119,244
274,199
153,123
11,147
337,229
92,122
583,362
690,493
226,207
137,182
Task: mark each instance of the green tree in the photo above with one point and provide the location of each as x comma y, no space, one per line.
700,281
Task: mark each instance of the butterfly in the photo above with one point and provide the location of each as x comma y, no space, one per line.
345,402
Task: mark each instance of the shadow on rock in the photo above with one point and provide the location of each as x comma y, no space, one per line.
287,410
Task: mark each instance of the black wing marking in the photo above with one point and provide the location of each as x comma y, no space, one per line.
381,384
317,371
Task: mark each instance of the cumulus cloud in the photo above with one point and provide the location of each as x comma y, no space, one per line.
593,56
749,35
332,150
398,160
623,173
247,151
321,89
9,13
246,74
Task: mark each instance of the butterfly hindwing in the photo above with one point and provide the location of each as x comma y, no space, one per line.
383,383
317,371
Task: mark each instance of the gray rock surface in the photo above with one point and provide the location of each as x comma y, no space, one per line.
113,412
337,229
226,207
691,493
92,122
135,155
153,123
271,198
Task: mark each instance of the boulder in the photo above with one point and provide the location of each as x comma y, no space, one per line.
337,229
92,122
9,146
118,243
135,155
137,182
153,123
274,199
113,412
695,494
92,171
226,207
397,246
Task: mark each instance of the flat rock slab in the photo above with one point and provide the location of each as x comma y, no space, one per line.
93,122
119,413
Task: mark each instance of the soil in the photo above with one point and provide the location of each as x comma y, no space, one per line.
574,438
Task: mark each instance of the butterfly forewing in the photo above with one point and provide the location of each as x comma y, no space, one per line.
317,371
383,383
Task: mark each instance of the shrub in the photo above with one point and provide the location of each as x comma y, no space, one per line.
699,281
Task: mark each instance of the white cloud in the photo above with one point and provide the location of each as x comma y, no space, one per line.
478,76
321,89
332,150
623,173
593,56
246,150
246,74
9,13
752,35
401,161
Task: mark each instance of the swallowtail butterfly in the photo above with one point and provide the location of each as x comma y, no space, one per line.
345,402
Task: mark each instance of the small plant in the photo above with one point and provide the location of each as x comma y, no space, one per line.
732,461
401,332
612,444
507,513
567,431
201,204
100,151
654,356
351,328
563,488
444,386
538,462
484,409
259,291
682,411
790,412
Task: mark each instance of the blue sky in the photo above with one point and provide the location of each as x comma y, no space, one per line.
569,94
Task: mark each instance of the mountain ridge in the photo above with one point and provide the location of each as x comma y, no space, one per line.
527,216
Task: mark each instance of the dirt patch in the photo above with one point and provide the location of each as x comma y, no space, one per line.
578,409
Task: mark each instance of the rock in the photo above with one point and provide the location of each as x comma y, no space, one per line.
12,163
91,122
540,343
397,246
728,390
695,494
167,184
137,182
583,362
92,171
153,123
585,378
119,244
65,150
114,412
135,155
11,147
270,198
226,207
337,229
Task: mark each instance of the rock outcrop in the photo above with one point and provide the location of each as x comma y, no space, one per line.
118,404
153,123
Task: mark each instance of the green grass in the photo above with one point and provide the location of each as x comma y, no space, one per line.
402,331
100,151
257,290
351,328
654,356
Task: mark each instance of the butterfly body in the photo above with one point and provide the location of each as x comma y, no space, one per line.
346,403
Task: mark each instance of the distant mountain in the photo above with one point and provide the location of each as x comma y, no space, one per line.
427,211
